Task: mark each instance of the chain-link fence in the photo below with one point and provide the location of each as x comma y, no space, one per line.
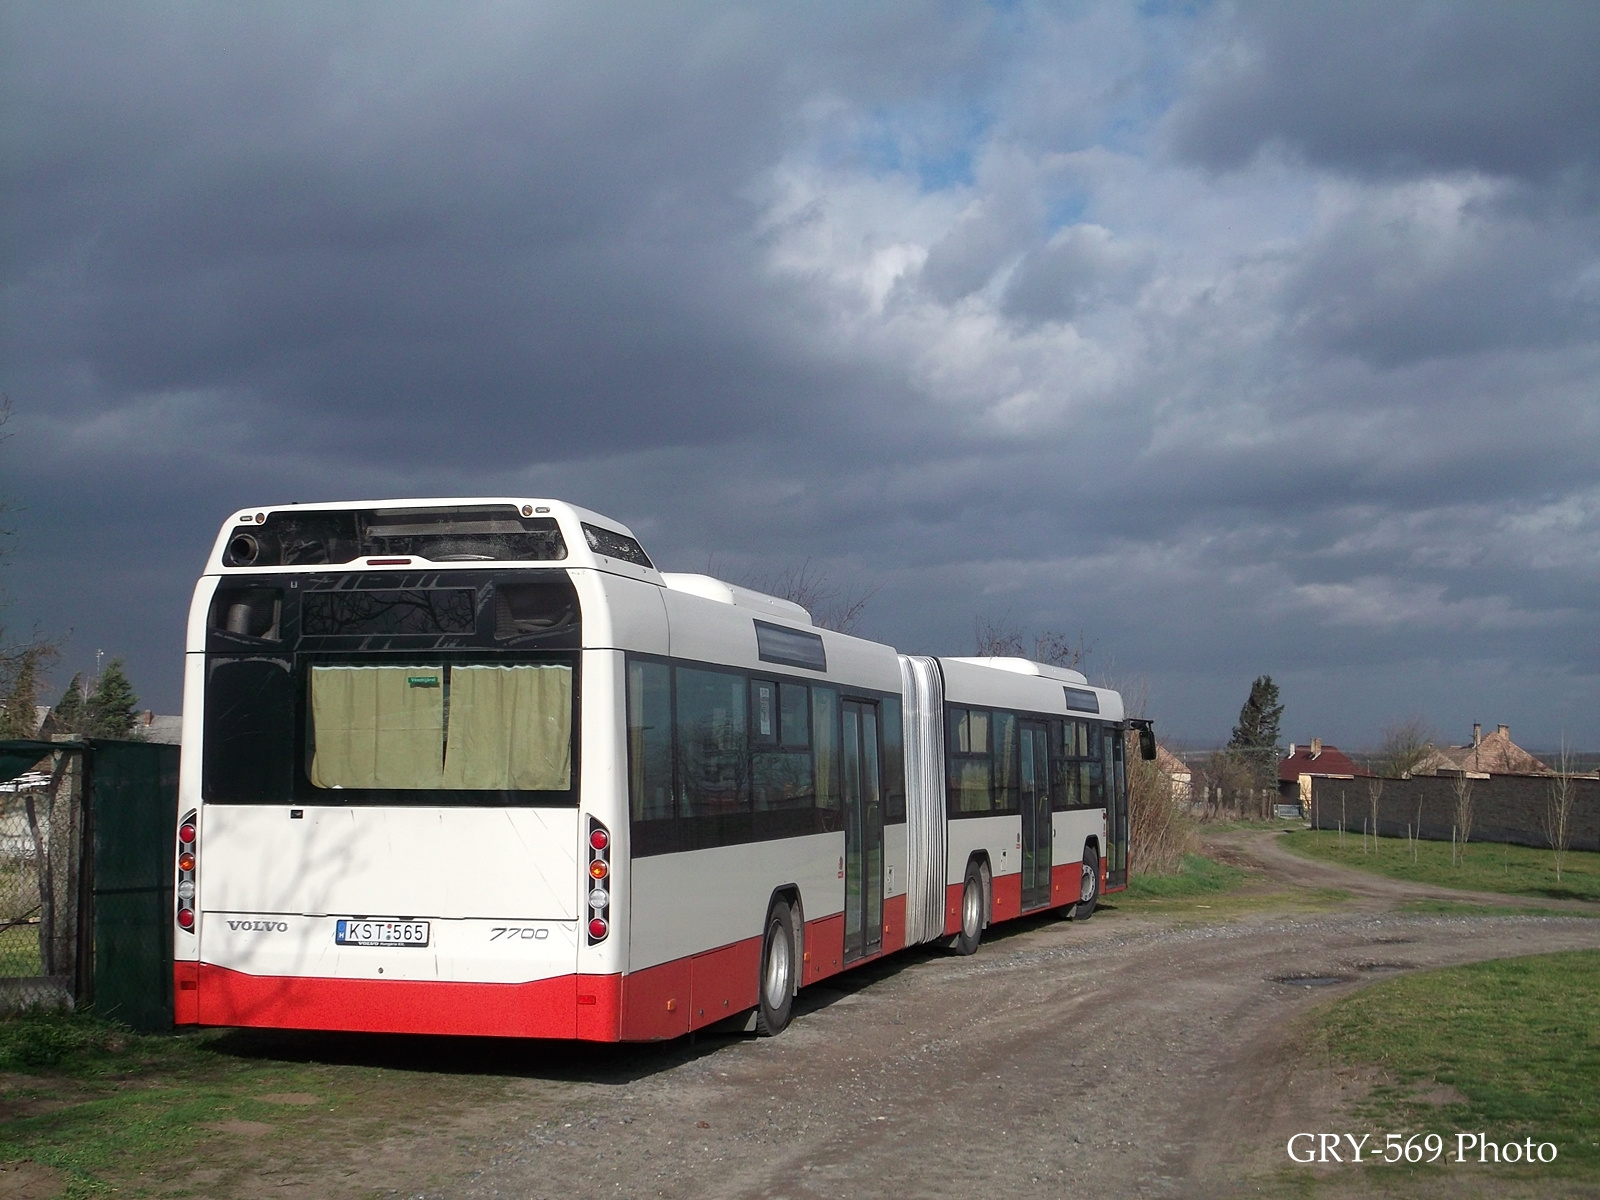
41,854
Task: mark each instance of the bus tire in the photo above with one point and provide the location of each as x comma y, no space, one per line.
775,987
1089,888
971,912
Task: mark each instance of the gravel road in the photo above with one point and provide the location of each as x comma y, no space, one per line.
1119,1057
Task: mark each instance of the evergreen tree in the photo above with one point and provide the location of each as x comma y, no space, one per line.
22,689
68,714
109,712
1255,737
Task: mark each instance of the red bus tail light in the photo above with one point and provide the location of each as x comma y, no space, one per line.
184,892
599,869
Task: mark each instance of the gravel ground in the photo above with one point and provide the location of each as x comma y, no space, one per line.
1119,1057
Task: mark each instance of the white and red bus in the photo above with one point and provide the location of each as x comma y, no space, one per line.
477,767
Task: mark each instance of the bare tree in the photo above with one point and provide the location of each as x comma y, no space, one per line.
1558,807
1230,778
1000,639
1461,786
1405,743
832,605
1374,794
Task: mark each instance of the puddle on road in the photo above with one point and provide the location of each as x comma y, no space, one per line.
1311,981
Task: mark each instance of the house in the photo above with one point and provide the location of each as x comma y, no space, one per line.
1180,779
1495,754
1313,761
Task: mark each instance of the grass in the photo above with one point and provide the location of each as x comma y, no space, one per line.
1484,866
113,1110
1199,876
1467,908
1518,1039
1211,890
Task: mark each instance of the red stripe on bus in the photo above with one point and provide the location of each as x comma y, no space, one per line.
723,982
185,993
1065,883
824,948
894,924
1006,897
545,1008
655,1002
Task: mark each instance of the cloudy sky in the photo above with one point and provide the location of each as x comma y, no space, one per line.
1241,338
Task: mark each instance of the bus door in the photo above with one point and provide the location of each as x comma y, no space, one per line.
1116,808
1035,815
863,832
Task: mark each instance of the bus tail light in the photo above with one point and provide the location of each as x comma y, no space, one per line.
599,894
187,844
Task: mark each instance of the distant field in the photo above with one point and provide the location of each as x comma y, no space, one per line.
1484,866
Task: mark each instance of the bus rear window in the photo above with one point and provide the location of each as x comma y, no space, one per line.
427,727
481,533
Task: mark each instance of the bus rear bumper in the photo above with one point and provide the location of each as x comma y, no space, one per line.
581,1007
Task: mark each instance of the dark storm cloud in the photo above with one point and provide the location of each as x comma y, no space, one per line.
505,225
918,294
1381,88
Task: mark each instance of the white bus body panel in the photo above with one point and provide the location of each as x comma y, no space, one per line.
427,863
687,903
998,835
467,951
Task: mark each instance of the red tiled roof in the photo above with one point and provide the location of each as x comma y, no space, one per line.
1331,761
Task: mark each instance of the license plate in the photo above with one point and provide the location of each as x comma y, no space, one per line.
353,931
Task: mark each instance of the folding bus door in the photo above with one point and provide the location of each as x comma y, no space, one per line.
863,832
1035,815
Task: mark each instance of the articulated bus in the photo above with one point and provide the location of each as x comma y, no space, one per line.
477,767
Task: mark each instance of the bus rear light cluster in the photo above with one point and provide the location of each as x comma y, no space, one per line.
186,865
599,873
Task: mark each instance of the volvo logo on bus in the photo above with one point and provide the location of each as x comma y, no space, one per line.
260,926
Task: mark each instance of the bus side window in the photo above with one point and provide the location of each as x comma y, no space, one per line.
1007,794
825,754
781,769
894,764
713,743
970,780
650,740
1095,768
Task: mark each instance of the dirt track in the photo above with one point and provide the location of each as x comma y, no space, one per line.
1122,1057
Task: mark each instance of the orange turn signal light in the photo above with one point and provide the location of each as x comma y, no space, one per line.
598,869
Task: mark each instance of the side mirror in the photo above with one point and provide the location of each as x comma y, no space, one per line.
1147,744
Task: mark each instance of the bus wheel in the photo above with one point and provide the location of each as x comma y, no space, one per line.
777,972
1089,893
971,912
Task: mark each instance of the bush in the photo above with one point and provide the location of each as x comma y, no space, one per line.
42,1038
1159,832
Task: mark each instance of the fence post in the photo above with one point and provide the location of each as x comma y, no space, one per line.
83,984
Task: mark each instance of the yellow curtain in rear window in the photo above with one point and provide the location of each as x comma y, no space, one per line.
377,727
510,728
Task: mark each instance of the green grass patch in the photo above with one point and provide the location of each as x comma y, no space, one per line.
117,1111
1199,876
1518,1039
1483,866
1466,908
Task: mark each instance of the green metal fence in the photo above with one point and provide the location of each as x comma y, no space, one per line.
86,843
133,803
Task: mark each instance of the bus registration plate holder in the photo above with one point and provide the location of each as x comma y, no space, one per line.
352,931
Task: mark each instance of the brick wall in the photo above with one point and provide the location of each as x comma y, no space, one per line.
1505,808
